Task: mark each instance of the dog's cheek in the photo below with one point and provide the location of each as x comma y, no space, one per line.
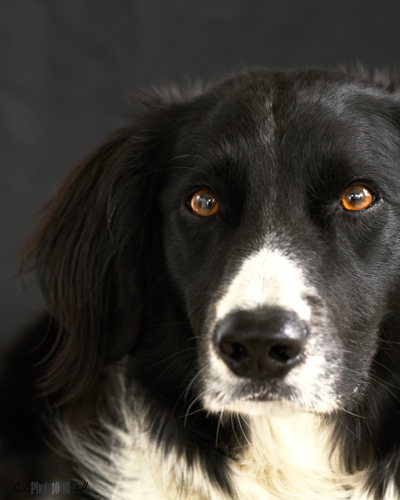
192,253
356,315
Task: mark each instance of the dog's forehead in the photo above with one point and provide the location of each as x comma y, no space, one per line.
263,126
286,107
294,124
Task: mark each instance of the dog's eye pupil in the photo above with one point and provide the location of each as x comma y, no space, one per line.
356,197
204,203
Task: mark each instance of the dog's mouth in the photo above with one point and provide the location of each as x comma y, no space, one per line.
249,396
267,397
267,407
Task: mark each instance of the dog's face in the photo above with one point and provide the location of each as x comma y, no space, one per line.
281,218
265,212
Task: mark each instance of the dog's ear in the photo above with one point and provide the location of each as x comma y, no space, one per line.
90,254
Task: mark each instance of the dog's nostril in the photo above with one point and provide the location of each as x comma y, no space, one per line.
284,353
234,350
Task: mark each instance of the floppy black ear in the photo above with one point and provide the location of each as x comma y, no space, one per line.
89,252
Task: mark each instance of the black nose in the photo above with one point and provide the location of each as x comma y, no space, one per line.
261,344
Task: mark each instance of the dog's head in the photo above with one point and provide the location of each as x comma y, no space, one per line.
240,242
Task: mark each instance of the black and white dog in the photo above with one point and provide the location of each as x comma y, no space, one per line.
225,273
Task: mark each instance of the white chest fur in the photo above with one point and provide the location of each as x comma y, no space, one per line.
287,458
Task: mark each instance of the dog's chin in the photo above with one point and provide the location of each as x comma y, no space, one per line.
267,408
279,407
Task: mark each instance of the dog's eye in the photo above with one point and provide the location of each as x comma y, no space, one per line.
204,203
357,197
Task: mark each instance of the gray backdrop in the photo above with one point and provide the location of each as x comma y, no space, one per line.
68,70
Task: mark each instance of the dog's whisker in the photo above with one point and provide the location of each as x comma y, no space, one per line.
160,325
249,444
190,156
218,426
195,400
190,385
170,367
354,414
174,355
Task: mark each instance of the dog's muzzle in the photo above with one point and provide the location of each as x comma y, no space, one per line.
261,344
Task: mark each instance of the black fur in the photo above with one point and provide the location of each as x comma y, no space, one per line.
127,268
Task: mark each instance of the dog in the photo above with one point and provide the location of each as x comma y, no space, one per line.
223,283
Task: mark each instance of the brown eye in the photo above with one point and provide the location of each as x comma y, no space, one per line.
204,203
357,197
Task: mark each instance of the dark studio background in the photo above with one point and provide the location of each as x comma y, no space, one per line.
68,70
